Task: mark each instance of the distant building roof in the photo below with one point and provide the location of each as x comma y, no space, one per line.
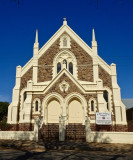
128,103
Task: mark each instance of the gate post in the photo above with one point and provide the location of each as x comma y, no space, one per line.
87,129
36,128
61,128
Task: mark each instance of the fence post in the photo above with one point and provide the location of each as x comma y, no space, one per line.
36,128
61,128
88,129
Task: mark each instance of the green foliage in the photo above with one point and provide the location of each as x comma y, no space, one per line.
3,110
3,124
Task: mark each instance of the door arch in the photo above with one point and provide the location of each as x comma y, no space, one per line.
76,98
75,111
53,111
52,107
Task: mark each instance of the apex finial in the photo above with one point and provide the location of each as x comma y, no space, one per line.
64,19
36,39
93,36
94,42
64,22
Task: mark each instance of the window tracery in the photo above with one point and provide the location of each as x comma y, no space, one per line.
92,105
65,59
36,106
65,41
105,95
71,67
58,67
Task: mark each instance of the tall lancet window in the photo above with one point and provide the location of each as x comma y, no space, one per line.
65,42
58,67
92,106
25,96
71,67
36,106
105,95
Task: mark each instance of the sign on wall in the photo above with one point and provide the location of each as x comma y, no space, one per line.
103,118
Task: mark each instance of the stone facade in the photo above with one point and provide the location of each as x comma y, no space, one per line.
66,79
84,62
105,77
26,77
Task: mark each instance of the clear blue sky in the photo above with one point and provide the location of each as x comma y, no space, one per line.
111,19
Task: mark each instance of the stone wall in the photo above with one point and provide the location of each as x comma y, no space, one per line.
26,77
105,77
84,62
110,128
45,63
17,135
111,137
20,127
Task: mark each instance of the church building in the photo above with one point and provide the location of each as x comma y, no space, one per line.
67,78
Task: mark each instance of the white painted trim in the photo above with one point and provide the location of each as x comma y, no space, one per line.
39,106
70,57
45,104
95,105
27,66
104,65
67,29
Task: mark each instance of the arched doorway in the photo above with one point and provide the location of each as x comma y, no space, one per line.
75,130
75,111
53,111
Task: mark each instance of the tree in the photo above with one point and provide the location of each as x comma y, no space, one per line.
3,110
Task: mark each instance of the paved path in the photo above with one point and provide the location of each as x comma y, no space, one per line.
6,154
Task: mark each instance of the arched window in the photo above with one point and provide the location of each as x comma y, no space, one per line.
65,42
25,96
36,106
58,67
105,95
71,67
65,62
92,106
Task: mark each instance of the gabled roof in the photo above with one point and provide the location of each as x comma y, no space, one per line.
67,29
78,40
58,77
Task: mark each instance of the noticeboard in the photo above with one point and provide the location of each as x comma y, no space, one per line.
103,118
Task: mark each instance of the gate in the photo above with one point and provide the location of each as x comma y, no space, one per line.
50,131
75,132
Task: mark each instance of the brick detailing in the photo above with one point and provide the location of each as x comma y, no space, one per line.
19,127
49,131
75,132
26,77
130,126
121,128
93,127
110,128
9,127
105,77
26,127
